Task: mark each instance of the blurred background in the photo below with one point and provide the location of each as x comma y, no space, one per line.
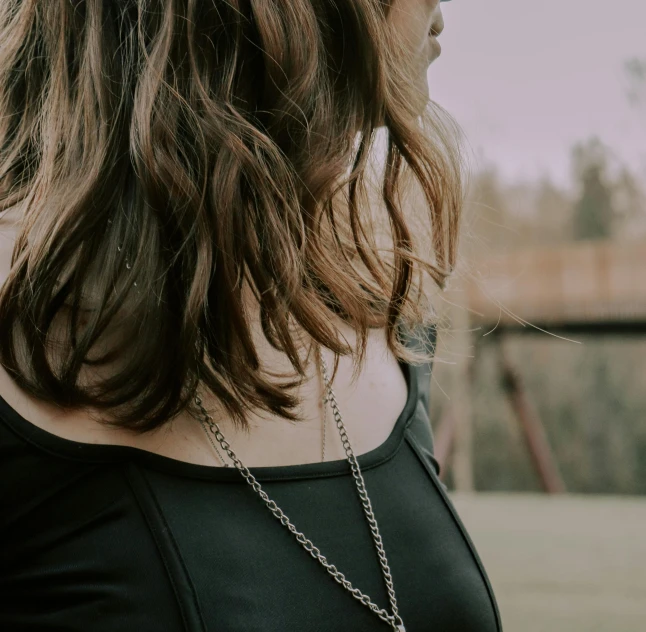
539,392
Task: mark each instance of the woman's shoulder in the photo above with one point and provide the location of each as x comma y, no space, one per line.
370,407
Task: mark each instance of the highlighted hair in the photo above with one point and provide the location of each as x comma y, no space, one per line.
168,154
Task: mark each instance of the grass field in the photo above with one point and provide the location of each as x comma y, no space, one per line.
567,563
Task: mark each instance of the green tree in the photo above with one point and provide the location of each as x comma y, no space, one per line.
629,204
635,69
593,212
552,215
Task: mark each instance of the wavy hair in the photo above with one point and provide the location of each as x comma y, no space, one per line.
169,153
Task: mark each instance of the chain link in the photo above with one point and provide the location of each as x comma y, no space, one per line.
208,434
210,438
394,619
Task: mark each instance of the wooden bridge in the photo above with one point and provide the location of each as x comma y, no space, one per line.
587,286
591,287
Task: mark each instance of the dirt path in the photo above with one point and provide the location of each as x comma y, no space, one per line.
571,563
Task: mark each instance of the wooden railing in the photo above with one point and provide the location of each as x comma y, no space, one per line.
581,285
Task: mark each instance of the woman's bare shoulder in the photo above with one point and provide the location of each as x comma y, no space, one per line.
370,407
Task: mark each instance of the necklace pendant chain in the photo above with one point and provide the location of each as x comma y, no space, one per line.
394,620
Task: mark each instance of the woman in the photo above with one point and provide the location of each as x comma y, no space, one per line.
184,220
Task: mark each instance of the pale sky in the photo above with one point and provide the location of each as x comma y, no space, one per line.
527,78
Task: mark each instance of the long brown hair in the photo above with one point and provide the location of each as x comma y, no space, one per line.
165,152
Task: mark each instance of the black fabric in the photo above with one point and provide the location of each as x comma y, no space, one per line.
111,538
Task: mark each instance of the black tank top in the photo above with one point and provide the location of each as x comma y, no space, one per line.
110,538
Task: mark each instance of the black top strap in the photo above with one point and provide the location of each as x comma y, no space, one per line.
422,339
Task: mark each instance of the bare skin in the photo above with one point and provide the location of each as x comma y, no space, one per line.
370,406
419,24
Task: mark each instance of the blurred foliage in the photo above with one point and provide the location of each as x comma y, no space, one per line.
591,397
635,69
593,212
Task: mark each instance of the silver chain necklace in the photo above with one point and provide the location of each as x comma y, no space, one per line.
394,620
215,447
